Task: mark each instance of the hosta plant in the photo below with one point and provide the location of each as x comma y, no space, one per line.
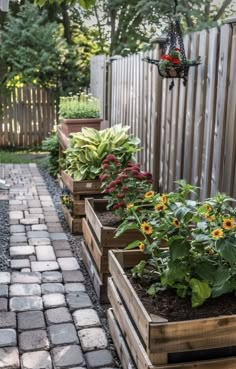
88,148
200,237
123,184
78,107
51,144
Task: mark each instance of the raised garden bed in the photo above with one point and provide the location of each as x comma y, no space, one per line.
156,343
75,224
75,125
99,239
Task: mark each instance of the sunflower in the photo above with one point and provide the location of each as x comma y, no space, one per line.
160,207
217,233
146,228
129,206
209,218
176,223
164,198
141,246
228,223
149,194
208,207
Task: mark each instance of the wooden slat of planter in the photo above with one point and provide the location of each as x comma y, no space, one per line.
100,260
79,207
137,310
85,187
137,350
228,363
74,224
99,286
164,336
119,342
64,141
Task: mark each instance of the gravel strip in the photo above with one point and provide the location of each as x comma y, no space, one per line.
4,236
75,242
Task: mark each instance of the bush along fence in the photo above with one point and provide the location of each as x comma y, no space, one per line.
27,115
188,132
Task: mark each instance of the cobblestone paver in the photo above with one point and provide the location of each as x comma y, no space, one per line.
47,319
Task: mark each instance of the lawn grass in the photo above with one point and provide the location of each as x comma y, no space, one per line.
22,156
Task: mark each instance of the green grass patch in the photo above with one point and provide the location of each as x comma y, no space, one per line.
22,157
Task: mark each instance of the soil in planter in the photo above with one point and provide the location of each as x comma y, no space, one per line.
108,219
174,308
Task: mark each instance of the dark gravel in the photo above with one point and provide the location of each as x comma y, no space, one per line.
75,242
4,236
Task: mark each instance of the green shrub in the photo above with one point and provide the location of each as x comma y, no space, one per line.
79,107
51,145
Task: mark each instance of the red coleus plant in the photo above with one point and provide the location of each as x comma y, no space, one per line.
123,185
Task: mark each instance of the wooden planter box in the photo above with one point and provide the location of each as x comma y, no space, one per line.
81,188
99,240
75,224
156,343
76,125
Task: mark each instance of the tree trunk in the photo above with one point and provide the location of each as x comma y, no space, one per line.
66,24
222,9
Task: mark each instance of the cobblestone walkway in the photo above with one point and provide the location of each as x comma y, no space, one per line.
47,319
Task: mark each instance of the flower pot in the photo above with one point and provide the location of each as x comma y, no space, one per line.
75,125
158,344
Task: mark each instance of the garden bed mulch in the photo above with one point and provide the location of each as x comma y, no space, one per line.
174,308
108,219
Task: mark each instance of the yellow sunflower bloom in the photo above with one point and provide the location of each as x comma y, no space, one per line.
228,223
129,206
209,218
208,207
141,246
149,194
146,228
160,207
176,223
164,198
217,233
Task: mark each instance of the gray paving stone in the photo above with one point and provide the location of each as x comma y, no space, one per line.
86,318
30,320
9,358
92,339
99,359
72,276
39,227
54,229
16,215
3,304
43,266
38,234
21,252
39,241
62,334
18,239
26,303
29,221
74,287
33,341
3,290
26,277
17,228
58,315
48,277
25,270
67,356
52,288
61,245
36,211
68,263
25,290
58,236
7,319
44,253
53,300
78,301
51,218
5,278
36,360
20,263
34,204
7,337
63,253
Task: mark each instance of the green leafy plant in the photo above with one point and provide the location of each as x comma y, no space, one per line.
88,148
200,258
51,144
123,184
78,107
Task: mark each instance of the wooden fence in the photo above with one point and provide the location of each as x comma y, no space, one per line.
26,117
189,132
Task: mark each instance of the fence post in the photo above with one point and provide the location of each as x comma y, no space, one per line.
109,87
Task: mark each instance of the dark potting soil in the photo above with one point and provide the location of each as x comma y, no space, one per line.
108,219
173,308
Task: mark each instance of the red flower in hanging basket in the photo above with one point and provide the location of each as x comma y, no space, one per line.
175,61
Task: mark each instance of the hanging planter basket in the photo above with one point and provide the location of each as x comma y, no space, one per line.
173,62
